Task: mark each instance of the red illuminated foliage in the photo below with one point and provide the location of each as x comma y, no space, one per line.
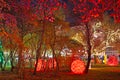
31,11
10,20
87,10
116,11
78,67
47,9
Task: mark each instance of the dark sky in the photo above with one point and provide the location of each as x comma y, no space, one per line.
70,17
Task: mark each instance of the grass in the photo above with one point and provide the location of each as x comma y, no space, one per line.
97,72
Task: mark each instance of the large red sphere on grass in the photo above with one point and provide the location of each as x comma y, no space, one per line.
78,66
112,61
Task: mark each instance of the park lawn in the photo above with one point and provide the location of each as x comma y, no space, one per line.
97,72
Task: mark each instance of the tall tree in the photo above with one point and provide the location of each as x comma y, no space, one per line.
87,10
44,10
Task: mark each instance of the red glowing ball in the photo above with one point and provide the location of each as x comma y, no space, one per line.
112,61
78,66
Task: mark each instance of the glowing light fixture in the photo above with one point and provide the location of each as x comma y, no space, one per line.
78,67
41,65
51,61
112,61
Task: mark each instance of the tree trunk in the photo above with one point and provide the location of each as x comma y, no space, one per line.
21,64
88,48
54,55
39,47
11,60
38,53
41,40
6,60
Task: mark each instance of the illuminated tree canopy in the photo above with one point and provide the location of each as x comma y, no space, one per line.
41,28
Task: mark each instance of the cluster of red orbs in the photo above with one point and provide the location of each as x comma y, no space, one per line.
42,64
